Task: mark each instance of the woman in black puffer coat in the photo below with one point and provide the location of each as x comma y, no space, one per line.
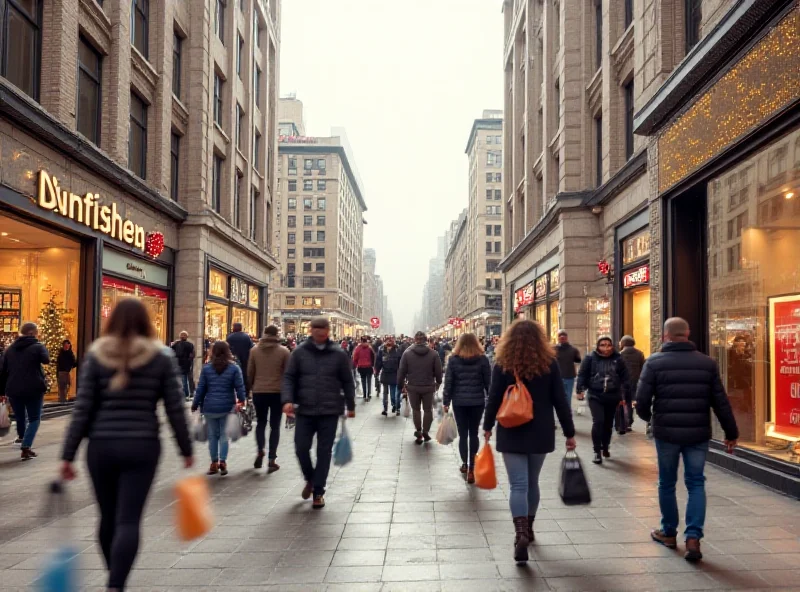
604,376
466,384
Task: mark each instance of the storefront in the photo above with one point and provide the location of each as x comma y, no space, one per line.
231,299
728,183
634,285
539,299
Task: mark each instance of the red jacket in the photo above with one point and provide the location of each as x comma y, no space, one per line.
363,356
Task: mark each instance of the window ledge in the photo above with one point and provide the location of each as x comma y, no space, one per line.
180,111
622,53
140,64
222,133
95,12
594,91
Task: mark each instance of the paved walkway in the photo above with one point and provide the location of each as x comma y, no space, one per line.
400,517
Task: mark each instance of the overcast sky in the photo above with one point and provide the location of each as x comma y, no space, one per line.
406,80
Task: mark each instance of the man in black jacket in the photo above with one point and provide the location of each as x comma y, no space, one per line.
241,344
317,373
634,361
184,352
567,356
678,388
25,384
422,368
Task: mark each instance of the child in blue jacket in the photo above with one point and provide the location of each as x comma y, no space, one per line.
221,389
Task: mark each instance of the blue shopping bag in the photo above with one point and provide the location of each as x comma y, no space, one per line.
59,572
343,449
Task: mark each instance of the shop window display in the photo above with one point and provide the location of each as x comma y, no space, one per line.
154,300
40,277
754,295
598,318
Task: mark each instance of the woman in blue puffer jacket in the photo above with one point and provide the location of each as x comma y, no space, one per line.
220,390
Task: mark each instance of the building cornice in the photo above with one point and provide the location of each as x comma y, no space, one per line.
23,112
485,124
631,170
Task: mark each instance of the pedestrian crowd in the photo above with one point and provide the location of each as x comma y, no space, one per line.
315,382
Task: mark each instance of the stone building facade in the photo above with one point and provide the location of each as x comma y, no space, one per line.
114,103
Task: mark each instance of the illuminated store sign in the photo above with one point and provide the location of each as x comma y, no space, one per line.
87,210
636,277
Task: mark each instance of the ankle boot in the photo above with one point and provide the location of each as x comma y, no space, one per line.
521,540
530,529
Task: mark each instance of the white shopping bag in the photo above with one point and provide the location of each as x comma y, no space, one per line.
406,407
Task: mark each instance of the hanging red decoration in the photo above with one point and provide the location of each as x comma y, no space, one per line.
603,267
154,244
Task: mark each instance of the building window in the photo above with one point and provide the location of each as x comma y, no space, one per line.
256,30
174,164
308,185
20,59
558,104
140,25
321,165
257,151
598,32
292,203
320,268
291,221
497,285
498,195
291,253
488,194
488,230
219,20
137,137
313,282
491,265
498,177
308,164
321,203
322,185
237,200
307,236
694,19
489,177
293,185
488,283
218,99
290,300
216,183
307,203
88,91
488,246
629,119
308,220
177,65
257,86
292,238
239,55
239,122
498,230
598,149
320,220
496,246
628,13
320,236
253,211
306,266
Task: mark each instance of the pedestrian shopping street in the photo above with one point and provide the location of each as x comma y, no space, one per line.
400,517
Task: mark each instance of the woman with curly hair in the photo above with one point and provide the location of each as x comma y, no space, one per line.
524,354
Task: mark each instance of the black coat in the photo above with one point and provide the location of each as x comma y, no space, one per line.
567,356
536,436
634,361
241,344
66,361
184,352
128,413
604,378
467,381
22,367
315,379
387,364
678,388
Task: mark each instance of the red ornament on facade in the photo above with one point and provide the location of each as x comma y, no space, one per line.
154,244
603,267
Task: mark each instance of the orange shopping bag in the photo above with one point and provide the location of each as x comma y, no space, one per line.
485,475
517,406
193,510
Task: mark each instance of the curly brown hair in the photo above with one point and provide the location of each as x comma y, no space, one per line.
524,350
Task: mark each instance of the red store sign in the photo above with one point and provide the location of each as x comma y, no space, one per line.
636,277
523,297
784,337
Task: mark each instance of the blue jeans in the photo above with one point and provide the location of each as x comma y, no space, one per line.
694,460
569,386
391,390
523,477
217,440
188,385
30,407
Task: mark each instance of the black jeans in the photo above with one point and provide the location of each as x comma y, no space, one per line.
468,420
324,426
602,422
366,380
268,404
122,472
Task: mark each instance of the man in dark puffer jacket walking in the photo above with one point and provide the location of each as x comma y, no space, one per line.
678,388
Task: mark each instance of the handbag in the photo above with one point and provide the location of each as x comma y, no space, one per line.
200,429
343,449
193,516
233,427
621,418
406,407
573,487
485,474
517,406
246,416
448,431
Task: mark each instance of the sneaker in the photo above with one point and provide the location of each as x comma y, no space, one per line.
598,460
471,477
213,469
307,490
693,550
426,436
669,542
606,454
259,461
223,468
319,502
27,454
272,467
464,469
384,412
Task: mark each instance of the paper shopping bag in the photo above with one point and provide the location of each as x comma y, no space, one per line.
485,475
193,515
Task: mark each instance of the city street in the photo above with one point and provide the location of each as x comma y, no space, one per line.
400,517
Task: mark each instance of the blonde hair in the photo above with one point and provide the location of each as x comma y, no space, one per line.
468,346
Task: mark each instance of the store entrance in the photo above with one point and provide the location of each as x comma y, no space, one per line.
40,281
637,317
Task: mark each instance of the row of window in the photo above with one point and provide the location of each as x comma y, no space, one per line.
307,236
496,247
313,301
309,164
494,177
493,210
498,230
308,281
216,196
494,283
494,140
291,267
308,203
307,221
308,185
497,194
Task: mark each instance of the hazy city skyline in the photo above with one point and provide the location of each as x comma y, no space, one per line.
407,96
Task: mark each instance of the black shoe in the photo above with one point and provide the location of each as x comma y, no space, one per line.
598,460
417,433
419,440
464,469
426,436
394,409
259,462
606,454
384,412
319,502
397,413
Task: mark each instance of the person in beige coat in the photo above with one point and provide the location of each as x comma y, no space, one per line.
265,368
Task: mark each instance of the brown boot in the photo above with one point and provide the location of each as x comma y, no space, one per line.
660,536
471,477
259,462
530,529
213,469
223,468
521,540
693,550
272,466
307,490
27,454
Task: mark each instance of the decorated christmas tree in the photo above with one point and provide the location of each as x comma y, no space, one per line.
52,333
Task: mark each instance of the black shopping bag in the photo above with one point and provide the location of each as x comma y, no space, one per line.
621,418
573,488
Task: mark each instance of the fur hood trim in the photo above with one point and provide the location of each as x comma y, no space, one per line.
124,355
